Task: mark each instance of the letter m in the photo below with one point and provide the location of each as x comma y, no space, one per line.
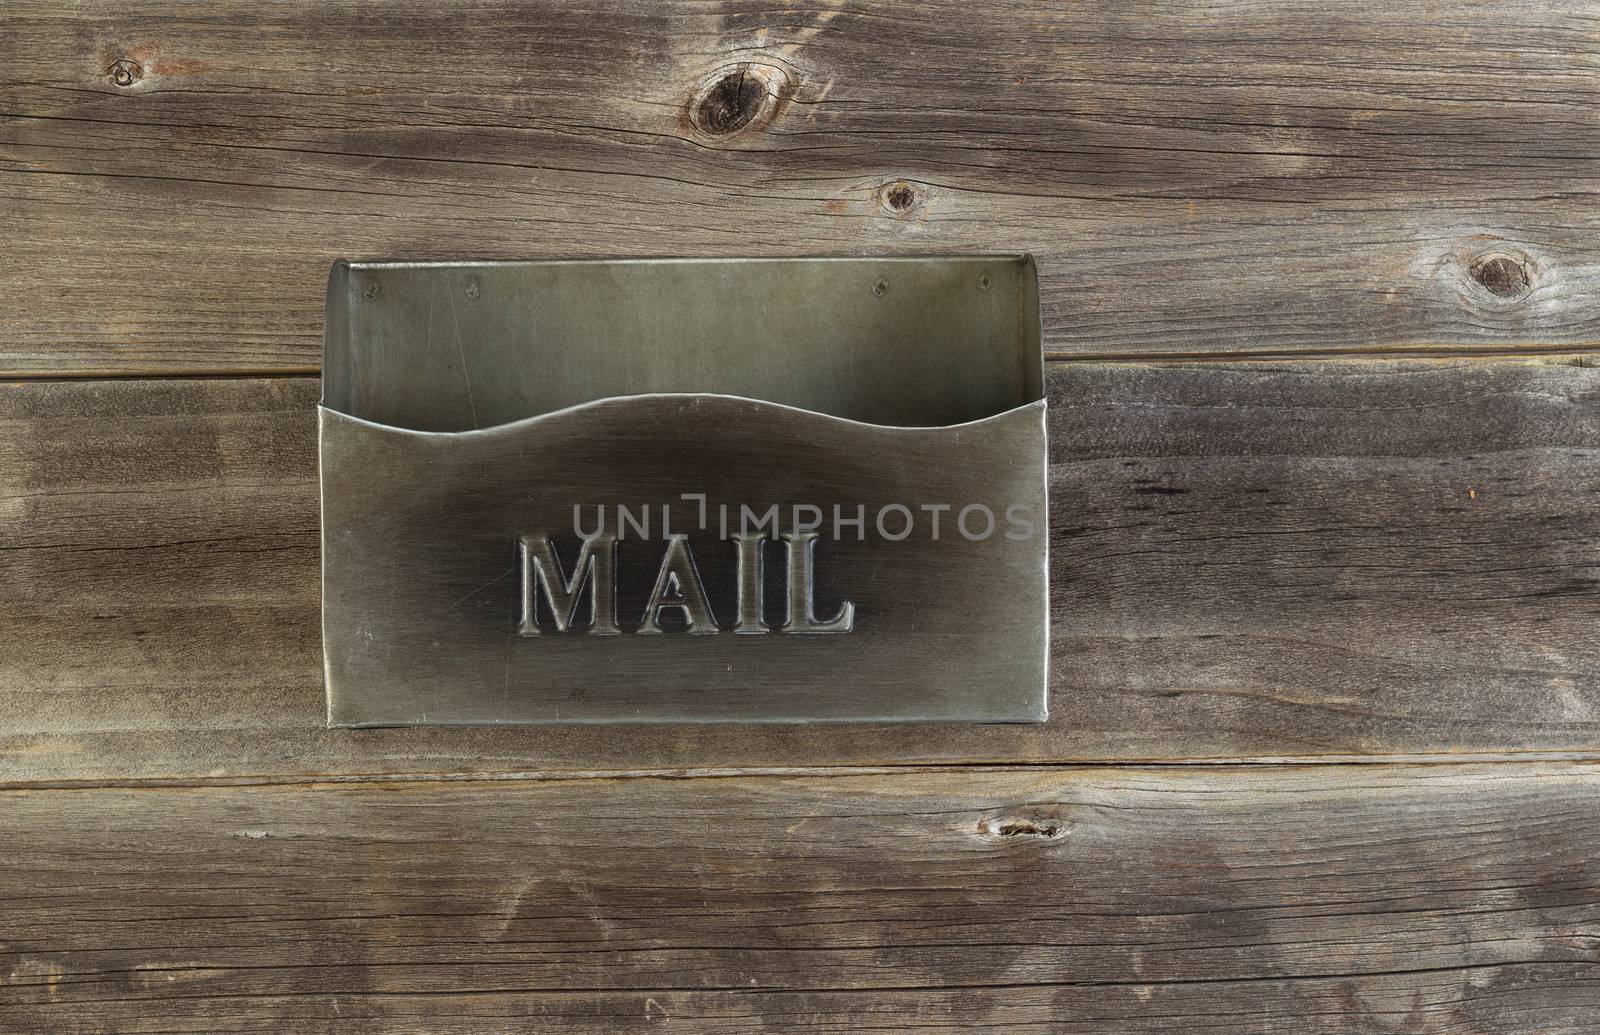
542,577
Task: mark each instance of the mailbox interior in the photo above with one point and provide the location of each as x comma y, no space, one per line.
903,342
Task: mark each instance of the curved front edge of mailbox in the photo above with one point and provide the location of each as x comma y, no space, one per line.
772,490
685,558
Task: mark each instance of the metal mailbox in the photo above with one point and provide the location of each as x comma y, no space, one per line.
684,491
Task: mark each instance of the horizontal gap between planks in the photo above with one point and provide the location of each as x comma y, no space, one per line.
1574,760
1441,352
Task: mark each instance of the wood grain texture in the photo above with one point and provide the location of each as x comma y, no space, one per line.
1195,177
1248,560
1357,899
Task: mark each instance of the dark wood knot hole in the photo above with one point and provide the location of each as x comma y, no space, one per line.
900,197
736,99
1502,276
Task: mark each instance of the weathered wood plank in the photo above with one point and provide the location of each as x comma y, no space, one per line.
1248,560
1194,177
1330,899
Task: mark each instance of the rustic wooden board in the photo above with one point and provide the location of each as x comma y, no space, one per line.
1195,177
1253,559
1249,899
1249,560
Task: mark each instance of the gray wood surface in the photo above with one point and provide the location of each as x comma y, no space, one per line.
1248,560
1350,899
1194,177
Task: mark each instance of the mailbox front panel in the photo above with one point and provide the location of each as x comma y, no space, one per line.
678,555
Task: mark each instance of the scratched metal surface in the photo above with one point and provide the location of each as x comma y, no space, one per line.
909,342
470,408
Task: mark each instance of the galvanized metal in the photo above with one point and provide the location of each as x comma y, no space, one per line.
539,483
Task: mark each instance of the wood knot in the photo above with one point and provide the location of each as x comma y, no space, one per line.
742,97
1504,276
1023,828
125,73
900,197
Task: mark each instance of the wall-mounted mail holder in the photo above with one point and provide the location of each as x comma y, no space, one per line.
793,490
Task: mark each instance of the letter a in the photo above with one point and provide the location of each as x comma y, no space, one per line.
678,585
